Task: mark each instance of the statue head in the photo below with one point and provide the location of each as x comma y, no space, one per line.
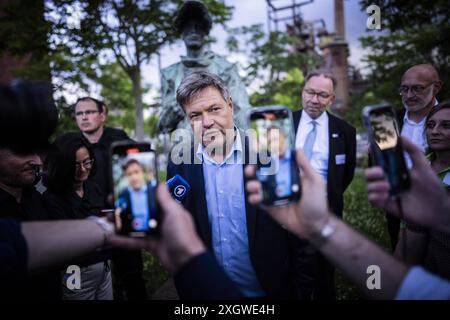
193,23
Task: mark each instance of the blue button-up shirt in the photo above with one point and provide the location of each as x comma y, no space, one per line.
283,175
225,199
139,207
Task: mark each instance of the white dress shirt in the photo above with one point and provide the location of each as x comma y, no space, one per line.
414,131
320,154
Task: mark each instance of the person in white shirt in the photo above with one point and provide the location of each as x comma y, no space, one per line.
330,145
419,86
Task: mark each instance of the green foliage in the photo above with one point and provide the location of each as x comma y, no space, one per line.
22,22
356,104
417,32
273,64
154,273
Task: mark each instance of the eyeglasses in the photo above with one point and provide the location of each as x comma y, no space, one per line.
87,113
321,96
415,89
87,164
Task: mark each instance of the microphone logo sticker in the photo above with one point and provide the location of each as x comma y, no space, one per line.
179,191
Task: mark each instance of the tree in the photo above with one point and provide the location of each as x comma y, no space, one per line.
412,32
272,63
23,36
128,32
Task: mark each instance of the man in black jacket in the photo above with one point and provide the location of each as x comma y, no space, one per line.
330,145
91,117
261,258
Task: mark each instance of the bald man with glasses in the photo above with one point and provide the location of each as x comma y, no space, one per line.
419,87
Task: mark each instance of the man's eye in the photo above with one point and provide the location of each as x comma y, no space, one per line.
324,96
193,116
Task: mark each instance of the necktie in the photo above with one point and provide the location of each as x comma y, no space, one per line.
310,139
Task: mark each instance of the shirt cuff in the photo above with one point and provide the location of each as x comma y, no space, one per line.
419,284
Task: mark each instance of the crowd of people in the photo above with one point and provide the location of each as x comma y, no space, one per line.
220,242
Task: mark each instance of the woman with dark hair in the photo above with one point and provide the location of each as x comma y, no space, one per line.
70,195
432,248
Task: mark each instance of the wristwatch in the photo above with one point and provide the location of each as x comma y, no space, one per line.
323,235
107,227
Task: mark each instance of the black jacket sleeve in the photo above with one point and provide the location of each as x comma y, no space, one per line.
351,157
304,268
203,279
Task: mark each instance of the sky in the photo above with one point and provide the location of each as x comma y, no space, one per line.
249,12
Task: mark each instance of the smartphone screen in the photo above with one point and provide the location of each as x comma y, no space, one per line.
273,141
134,176
386,149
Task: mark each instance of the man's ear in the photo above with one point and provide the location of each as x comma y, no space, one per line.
230,104
333,99
103,115
437,86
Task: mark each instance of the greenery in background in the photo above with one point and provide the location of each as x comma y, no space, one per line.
273,65
412,32
23,35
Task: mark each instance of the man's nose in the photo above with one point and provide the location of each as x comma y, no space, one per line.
409,93
207,121
35,160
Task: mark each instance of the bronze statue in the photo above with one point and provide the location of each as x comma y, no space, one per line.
193,23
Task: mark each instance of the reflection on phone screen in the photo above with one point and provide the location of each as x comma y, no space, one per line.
384,129
135,181
274,145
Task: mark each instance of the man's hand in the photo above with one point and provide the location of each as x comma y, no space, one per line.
426,203
306,217
179,241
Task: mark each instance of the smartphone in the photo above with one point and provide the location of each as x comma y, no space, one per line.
385,145
135,178
272,139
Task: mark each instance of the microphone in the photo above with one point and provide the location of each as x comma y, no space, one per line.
178,187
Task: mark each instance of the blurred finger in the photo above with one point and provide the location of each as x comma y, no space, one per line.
167,203
253,186
378,186
254,199
250,171
374,173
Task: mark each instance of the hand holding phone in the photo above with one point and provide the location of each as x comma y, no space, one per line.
135,179
385,145
273,142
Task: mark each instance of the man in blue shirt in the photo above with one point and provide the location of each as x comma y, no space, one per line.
259,256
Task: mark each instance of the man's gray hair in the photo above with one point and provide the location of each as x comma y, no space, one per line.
324,73
191,86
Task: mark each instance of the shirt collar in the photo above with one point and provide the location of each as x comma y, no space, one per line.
321,120
143,189
236,147
422,122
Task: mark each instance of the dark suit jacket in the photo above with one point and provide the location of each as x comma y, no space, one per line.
284,265
342,140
